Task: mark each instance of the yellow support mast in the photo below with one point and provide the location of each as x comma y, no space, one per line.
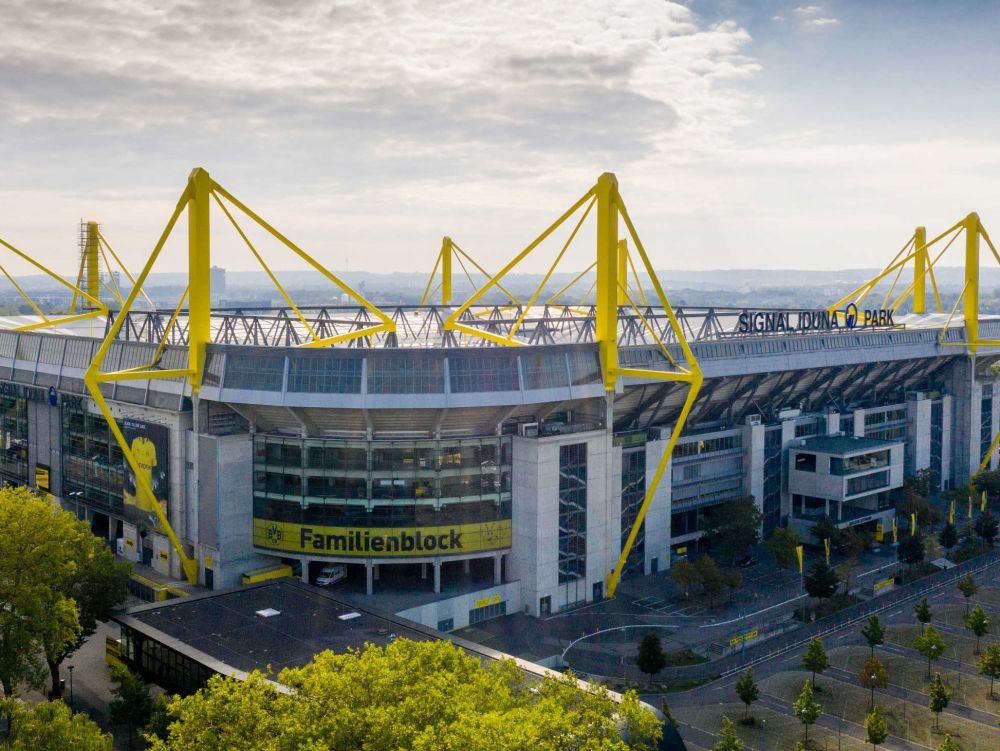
920,267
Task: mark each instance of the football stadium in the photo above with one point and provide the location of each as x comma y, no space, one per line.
466,458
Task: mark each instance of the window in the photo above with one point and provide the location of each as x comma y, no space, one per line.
633,494
585,367
478,615
324,375
805,462
483,372
544,370
254,372
410,374
867,483
572,512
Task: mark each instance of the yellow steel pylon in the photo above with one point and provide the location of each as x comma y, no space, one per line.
611,258
450,252
196,199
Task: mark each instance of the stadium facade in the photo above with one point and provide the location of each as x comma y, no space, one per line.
420,453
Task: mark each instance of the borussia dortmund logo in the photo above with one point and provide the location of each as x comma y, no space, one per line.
274,533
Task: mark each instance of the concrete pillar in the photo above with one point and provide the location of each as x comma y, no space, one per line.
966,416
466,567
918,434
840,511
369,577
437,577
859,423
376,571
498,568
832,423
995,427
423,571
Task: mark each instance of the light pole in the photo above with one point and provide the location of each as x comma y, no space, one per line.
872,679
70,669
763,735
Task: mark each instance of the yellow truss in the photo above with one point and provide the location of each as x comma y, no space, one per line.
451,252
612,261
196,201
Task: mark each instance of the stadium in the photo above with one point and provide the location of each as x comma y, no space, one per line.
469,458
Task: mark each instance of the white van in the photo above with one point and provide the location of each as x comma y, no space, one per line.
331,575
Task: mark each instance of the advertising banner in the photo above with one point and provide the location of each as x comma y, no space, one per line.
380,542
150,445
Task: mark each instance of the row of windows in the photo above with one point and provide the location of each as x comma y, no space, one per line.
572,562
884,416
867,483
708,445
381,488
411,373
419,456
393,515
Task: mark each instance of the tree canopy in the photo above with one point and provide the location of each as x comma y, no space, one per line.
922,610
940,696
948,537
51,725
815,659
911,549
989,663
732,527
821,581
782,544
978,623
987,526
807,709
967,586
874,633
52,586
748,691
728,740
876,728
930,645
651,658
414,695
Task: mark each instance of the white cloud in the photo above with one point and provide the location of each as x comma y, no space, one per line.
808,10
821,21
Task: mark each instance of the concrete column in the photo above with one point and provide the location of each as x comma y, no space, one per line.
859,423
423,571
377,571
498,568
832,423
466,567
918,434
437,577
995,427
966,414
840,511
369,577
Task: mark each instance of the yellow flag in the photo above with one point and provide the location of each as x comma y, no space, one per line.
895,531
970,506
826,544
913,524
798,554
879,532
951,513
982,503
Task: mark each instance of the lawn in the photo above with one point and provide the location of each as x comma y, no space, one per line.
906,720
958,646
970,690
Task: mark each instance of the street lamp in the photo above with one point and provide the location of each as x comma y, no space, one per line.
872,678
70,669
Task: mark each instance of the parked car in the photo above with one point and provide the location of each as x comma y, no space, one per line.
331,575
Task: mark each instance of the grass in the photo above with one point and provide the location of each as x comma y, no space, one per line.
988,595
912,722
958,646
970,690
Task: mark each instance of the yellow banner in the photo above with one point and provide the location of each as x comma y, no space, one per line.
982,504
895,531
826,544
798,554
487,601
381,542
879,532
913,524
884,583
951,513
743,637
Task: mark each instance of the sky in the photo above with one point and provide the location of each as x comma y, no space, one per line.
743,134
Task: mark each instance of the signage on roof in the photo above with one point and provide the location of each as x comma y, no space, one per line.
850,318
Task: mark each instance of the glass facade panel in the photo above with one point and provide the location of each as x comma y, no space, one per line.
14,440
544,370
405,374
852,465
324,375
572,512
867,483
483,371
258,372
584,367
772,479
633,494
986,421
93,465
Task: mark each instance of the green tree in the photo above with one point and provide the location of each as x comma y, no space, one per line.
732,527
97,584
930,645
939,698
911,550
914,504
987,526
948,537
967,586
922,610
826,529
872,676
919,483
821,581
685,576
36,560
132,705
807,709
978,623
728,740
748,691
948,745
414,695
782,545
989,663
51,725
876,728
713,582
874,633
651,658
733,579
815,659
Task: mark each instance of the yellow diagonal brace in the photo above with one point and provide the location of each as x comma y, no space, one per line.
72,287
355,334
576,278
59,321
142,375
511,295
24,294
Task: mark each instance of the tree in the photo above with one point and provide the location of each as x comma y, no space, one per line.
825,529
651,658
987,526
948,745
821,581
748,691
967,586
413,695
919,483
930,645
911,550
874,633
97,585
37,558
782,545
807,709
132,705
876,728
989,663
913,504
948,537
922,610
978,623
732,527
685,575
873,675
733,579
713,583
815,659
728,740
939,698
51,725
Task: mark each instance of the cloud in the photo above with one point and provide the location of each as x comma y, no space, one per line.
821,21
808,10
811,18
